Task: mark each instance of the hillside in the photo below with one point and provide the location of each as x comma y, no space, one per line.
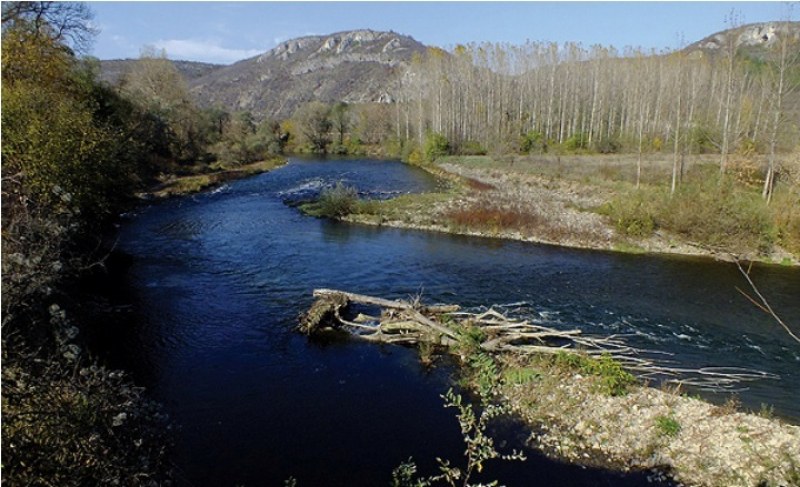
355,66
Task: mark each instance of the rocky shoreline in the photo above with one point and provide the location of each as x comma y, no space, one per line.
683,438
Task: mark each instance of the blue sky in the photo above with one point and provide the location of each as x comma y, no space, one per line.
224,32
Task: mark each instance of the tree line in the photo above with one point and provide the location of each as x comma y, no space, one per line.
543,97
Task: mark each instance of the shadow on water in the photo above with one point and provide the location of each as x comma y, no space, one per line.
204,312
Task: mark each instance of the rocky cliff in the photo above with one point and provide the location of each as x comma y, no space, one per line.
752,39
355,66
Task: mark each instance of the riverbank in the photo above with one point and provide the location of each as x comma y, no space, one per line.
179,185
561,202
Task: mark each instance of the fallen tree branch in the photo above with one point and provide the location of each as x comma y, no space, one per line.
412,323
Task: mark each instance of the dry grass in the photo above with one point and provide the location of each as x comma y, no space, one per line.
485,214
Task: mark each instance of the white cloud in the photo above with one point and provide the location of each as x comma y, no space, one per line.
203,50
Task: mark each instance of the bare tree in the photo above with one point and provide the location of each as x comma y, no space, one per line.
781,86
731,45
68,23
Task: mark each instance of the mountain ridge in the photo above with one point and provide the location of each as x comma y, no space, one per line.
362,65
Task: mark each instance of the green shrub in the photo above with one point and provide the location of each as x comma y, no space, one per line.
436,145
470,339
576,143
484,374
711,212
521,375
785,217
607,145
533,142
633,215
336,202
701,140
720,215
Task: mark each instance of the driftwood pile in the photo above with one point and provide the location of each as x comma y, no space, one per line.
412,323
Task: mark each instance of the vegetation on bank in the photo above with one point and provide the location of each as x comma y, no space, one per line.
75,153
178,185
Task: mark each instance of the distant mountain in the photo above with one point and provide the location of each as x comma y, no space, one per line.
754,40
112,70
363,66
355,66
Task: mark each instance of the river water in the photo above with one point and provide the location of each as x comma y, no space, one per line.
216,282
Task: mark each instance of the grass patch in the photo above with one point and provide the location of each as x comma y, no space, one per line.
668,425
186,185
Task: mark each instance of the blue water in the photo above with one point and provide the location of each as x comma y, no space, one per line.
218,279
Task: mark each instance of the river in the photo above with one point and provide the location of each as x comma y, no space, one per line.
215,283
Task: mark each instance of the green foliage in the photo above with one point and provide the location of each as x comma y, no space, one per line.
313,120
470,338
57,143
613,380
702,139
484,374
785,217
405,475
74,151
720,215
668,425
436,145
607,145
533,142
336,202
576,143
480,449
242,141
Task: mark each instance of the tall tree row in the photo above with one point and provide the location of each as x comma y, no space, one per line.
596,98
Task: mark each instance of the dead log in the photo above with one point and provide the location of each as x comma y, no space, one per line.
411,323
323,313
